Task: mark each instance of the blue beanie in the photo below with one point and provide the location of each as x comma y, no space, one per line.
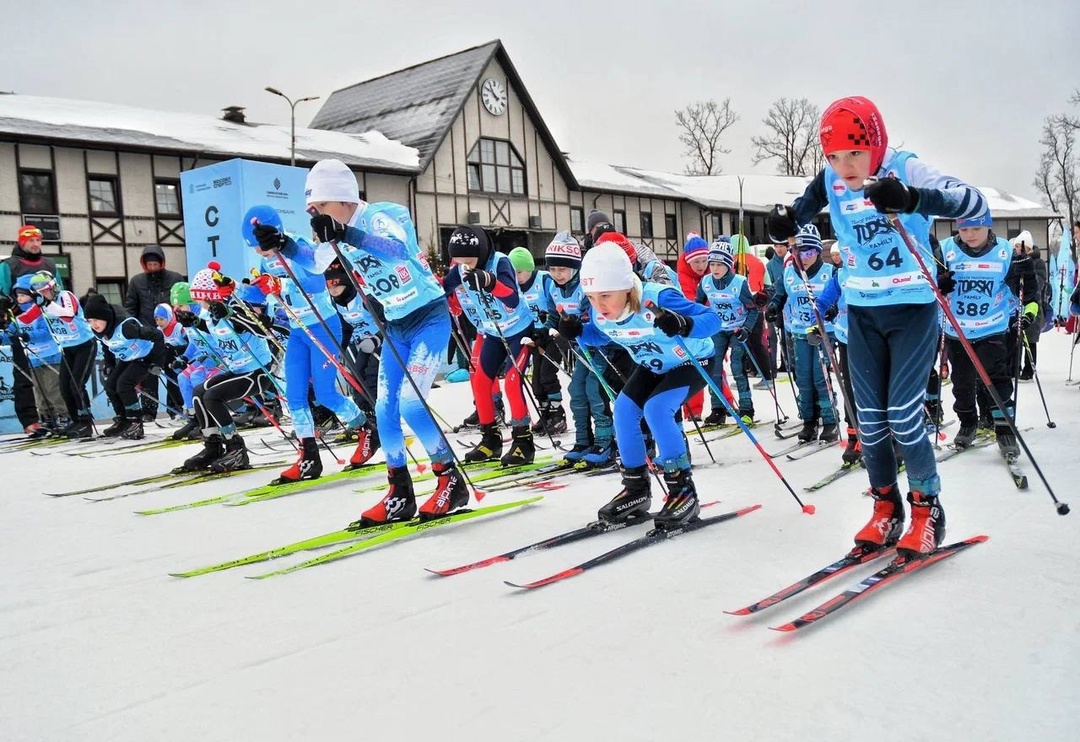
720,251
164,311
808,238
695,247
982,220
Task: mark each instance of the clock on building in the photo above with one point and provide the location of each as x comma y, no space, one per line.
493,95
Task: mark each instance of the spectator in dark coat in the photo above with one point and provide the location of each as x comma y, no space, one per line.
145,291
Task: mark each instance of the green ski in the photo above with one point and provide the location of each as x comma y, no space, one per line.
396,534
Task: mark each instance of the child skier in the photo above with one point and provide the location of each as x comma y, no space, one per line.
645,319
803,281
486,286
982,281
892,317
241,346
63,313
568,309
43,354
133,356
535,287
729,295
833,308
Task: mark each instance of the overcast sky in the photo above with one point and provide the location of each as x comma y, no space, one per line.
964,84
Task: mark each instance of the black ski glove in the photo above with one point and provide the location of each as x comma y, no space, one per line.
186,318
269,237
890,196
481,280
570,326
772,313
673,323
780,223
327,228
831,312
219,311
742,335
946,281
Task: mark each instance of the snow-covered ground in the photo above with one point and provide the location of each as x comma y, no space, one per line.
97,642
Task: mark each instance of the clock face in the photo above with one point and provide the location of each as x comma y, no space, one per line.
493,95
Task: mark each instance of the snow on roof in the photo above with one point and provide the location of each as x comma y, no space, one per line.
759,192
593,176
1003,203
110,124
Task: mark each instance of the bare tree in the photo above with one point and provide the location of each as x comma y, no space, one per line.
1058,174
701,125
792,137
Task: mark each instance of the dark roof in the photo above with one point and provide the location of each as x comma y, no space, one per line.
417,105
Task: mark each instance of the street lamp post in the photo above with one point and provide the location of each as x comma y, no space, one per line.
292,116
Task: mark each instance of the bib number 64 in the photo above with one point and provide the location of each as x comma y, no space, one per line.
893,259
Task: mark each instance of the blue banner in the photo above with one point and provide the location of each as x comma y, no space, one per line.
216,197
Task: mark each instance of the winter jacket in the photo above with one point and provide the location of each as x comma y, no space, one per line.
20,263
147,290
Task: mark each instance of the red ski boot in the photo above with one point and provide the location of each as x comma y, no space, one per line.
450,492
367,443
887,521
398,504
307,466
927,529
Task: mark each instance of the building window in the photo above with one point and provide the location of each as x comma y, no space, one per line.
112,289
716,226
103,200
646,225
167,197
671,226
577,220
37,193
1013,228
620,221
494,167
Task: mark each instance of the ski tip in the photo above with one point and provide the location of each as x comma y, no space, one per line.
749,509
786,628
740,612
439,572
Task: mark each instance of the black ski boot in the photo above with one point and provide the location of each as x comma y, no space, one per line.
522,450
80,428
489,448
716,417
133,431
965,436
307,466
118,424
540,427
681,505
1007,443
187,430
213,449
556,424
398,504
234,458
808,432
853,452
472,421
830,433
633,501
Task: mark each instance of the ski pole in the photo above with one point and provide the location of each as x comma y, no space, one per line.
1061,507
781,417
808,509
1038,384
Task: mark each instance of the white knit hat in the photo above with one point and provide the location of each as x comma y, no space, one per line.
606,268
331,180
203,286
